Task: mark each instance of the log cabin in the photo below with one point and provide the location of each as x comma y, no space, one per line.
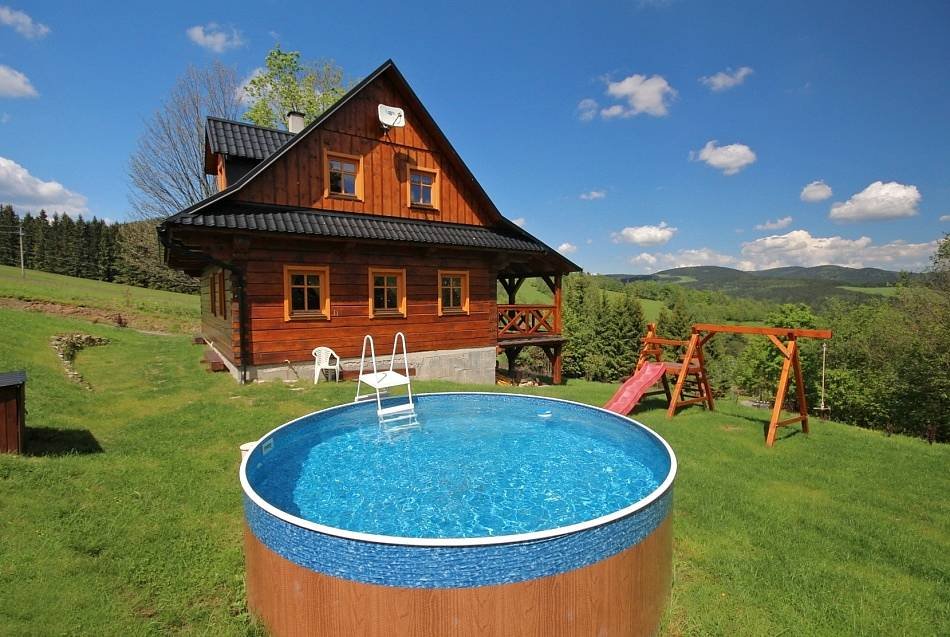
358,224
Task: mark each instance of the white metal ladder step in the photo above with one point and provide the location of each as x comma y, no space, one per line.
404,413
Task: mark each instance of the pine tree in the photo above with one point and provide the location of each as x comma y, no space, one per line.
577,326
627,326
40,239
9,237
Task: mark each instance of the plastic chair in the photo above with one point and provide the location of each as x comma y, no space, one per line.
325,359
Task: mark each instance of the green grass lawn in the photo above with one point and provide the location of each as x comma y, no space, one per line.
125,517
155,309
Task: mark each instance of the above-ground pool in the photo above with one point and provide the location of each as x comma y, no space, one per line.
501,514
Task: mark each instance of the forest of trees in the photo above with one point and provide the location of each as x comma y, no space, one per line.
89,249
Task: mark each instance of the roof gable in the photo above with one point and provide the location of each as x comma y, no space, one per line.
340,119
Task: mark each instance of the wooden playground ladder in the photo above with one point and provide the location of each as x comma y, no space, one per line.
693,364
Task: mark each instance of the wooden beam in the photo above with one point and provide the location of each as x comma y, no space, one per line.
763,331
556,371
779,344
780,396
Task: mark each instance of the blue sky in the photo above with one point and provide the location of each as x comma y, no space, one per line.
634,136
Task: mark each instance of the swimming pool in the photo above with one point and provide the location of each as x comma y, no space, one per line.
496,493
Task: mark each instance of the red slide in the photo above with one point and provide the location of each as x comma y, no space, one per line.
632,391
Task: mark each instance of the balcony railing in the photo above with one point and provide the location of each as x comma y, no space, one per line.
525,321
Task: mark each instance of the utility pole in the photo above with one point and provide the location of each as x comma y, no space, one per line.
22,266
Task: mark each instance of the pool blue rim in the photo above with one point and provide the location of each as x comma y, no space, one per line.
643,503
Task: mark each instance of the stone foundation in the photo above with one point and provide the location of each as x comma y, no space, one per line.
472,366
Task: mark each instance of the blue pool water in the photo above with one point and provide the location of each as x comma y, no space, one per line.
480,466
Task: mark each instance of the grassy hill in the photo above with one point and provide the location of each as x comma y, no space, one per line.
141,307
781,285
125,518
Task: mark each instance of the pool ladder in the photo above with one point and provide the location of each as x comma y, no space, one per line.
396,417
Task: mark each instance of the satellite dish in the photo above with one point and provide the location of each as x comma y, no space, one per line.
390,116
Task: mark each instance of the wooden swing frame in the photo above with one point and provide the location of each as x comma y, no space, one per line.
694,364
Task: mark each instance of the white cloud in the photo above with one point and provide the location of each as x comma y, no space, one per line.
799,247
587,109
214,37
15,84
645,235
778,224
567,248
22,23
945,218
880,200
727,79
643,94
21,189
816,191
729,159
593,194
520,222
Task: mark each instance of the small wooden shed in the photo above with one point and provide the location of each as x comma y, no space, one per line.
12,411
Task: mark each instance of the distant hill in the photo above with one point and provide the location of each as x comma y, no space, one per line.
784,285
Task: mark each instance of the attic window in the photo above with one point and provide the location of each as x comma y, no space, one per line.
343,175
423,188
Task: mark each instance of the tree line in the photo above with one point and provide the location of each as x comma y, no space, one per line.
90,249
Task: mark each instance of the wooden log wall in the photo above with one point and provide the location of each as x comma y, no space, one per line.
218,330
297,178
274,339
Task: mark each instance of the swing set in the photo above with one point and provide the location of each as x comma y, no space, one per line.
692,381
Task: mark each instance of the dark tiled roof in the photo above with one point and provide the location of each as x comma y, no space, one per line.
238,139
355,226
12,378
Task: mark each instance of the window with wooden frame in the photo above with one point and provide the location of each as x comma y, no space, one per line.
306,292
342,175
219,305
453,292
424,188
387,293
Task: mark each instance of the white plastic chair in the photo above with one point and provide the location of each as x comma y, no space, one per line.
325,359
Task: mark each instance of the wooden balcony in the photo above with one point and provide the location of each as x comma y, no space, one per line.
528,324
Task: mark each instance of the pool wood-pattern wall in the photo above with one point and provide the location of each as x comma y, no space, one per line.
625,594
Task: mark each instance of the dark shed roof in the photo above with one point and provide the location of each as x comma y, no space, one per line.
340,225
240,139
12,378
